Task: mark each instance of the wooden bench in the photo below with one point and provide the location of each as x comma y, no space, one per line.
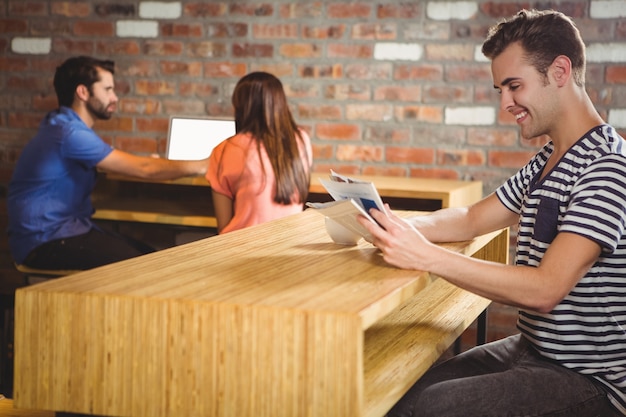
7,410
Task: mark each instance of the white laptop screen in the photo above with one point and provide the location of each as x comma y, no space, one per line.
193,138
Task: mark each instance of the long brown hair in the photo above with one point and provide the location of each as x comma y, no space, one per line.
261,109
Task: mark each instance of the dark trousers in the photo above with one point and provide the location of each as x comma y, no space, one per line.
95,248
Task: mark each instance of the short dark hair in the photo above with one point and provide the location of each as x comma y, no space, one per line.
80,70
543,35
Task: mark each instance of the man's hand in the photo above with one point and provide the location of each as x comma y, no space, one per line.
402,244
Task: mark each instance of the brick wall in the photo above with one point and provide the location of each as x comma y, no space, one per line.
384,87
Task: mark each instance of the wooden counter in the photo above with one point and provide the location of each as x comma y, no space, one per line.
187,201
274,320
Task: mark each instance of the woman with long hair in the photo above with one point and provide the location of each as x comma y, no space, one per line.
263,172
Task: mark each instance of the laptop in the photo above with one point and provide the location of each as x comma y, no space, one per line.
193,138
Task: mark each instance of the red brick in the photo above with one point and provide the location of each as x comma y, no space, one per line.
70,9
204,9
279,69
348,10
246,50
616,74
403,155
398,93
299,90
486,94
160,48
359,153
374,31
320,71
322,151
93,28
299,50
384,170
475,74
51,27
372,112
71,47
275,31
337,131
197,89
150,88
24,120
301,10
13,26
184,107
447,94
45,103
13,64
460,157
445,174
178,68
340,50
227,30
115,10
375,71
255,10
137,68
116,124
157,124
399,11
145,146
27,83
491,137
314,111
345,169
429,114
181,30
225,69
347,92
128,47
139,105
28,8
324,32
221,109
206,49
509,159
388,134
449,52
430,72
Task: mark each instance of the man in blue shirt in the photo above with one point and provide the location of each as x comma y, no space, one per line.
49,197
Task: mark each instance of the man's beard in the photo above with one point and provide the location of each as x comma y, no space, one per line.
100,110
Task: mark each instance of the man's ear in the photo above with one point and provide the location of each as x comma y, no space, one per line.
561,70
82,92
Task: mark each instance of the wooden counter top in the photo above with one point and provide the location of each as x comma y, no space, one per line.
269,320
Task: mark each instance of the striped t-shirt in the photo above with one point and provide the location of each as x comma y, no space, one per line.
585,194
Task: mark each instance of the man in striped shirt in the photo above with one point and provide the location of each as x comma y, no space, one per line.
569,276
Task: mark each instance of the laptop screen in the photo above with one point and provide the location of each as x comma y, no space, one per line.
193,138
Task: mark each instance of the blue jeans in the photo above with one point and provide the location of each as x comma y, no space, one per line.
504,378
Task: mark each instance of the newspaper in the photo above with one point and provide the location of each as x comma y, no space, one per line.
352,197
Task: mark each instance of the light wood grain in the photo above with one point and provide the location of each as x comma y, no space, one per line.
111,206
7,410
267,321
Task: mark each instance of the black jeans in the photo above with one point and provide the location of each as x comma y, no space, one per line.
507,378
95,248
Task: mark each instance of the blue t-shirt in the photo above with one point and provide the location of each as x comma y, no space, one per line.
49,194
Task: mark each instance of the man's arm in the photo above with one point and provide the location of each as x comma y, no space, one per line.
147,167
223,209
465,223
565,262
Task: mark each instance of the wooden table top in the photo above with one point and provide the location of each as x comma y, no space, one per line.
290,263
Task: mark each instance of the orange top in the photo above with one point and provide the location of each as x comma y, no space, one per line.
236,171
